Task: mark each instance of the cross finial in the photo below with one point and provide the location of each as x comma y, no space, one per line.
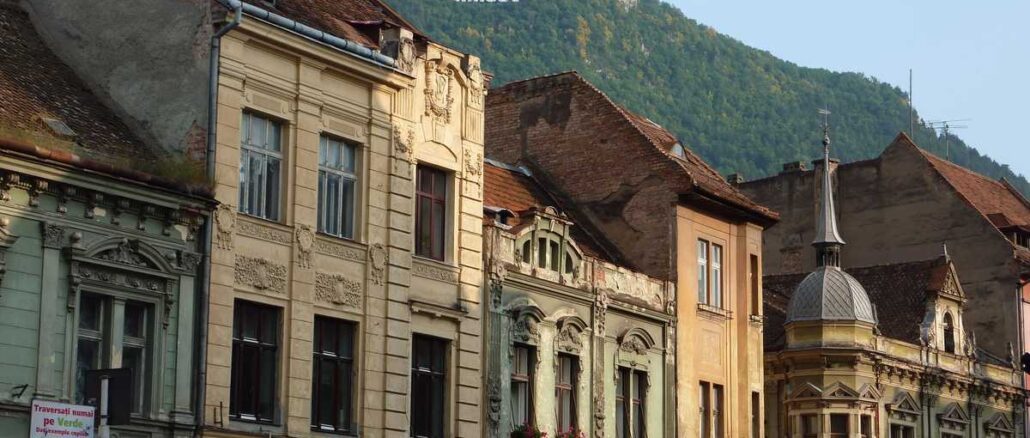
826,128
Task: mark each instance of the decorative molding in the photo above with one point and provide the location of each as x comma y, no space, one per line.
261,274
377,257
494,399
338,290
437,311
126,253
477,84
601,302
439,85
634,345
305,245
404,145
188,261
473,171
405,60
36,188
53,235
340,250
264,232
225,224
426,270
498,273
7,240
526,329
569,339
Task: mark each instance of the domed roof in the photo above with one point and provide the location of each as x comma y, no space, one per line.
829,293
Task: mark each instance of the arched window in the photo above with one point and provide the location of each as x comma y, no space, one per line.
949,334
551,251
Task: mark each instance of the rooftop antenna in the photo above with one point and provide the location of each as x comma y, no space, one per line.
945,126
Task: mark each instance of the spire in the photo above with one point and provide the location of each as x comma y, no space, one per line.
827,239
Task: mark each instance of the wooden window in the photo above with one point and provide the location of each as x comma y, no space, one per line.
866,425
716,278
705,410
92,332
565,391
949,333
625,403
523,363
902,431
718,405
332,382
756,291
134,350
97,327
430,212
337,177
638,402
756,415
839,425
260,167
255,349
810,426
702,272
428,386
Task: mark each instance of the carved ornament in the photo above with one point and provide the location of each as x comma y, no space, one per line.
377,257
339,250
305,245
425,270
337,289
264,232
569,339
261,274
225,224
439,82
404,145
53,235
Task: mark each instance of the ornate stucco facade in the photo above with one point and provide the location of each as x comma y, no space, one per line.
424,111
613,325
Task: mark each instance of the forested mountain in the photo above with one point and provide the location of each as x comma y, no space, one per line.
741,108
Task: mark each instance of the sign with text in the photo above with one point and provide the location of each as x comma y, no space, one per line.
55,420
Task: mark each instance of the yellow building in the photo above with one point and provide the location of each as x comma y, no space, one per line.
669,216
346,264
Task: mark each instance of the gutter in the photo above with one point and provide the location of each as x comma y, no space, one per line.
200,392
345,45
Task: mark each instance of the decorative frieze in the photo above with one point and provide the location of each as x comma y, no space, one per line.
52,235
338,290
126,253
263,232
339,250
261,274
426,270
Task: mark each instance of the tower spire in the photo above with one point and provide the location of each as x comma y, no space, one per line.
827,239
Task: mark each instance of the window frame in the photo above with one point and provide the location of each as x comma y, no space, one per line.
705,409
566,389
325,172
339,358
528,378
441,197
710,274
240,346
440,349
702,271
247,148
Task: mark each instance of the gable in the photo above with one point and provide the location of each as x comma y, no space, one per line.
839,390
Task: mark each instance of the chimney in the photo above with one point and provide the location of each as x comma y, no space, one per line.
735,178
399,44
793,166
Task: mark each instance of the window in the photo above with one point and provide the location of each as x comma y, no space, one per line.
756,414
255,347
756,292
548,250
718,403
839,425
332,383
702,272
96,330
428,386
867,426
630,395
523,363
565,391
949,334
430,212
705,410
716,286
902,431
336,181
260,167
810,426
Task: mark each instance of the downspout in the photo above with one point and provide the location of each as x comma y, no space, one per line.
205,283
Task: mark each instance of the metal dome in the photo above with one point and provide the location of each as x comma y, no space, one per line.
829,293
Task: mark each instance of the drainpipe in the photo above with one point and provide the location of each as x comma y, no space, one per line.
205,280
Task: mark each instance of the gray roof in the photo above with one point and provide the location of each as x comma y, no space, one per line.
829,293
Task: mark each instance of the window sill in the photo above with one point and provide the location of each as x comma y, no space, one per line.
716,311
758,319
431,261
318,431
259,218
337,238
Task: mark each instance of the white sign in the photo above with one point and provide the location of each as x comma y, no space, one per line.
56,420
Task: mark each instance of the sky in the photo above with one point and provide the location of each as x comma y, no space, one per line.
970,59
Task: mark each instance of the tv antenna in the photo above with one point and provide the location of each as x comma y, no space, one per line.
945,126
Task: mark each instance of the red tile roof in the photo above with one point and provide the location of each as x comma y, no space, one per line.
516,190
36,85
356,20
898,292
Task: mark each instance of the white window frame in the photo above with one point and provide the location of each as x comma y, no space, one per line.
715,278
345,227
702,271
266,155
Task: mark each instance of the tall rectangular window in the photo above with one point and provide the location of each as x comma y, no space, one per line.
718,404
637,400
255,349
522,384
430,212
756,292
902,431
867,426
97,328
565,391
332,378
705,410
337,167
716,276
428,386
623,387
756,415
839,426
702,272
260,167
810,426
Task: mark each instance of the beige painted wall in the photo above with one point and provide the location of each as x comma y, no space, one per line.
374,279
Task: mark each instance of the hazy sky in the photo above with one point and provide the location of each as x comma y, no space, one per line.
971,59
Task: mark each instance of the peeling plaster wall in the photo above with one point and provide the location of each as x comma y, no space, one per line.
147,59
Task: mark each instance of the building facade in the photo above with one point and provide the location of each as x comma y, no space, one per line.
575,345
897,362
346,266
665,214
99,255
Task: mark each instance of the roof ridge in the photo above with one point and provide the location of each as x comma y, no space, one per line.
543,76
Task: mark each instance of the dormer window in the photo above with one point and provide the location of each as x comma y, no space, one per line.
949,334
547,249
